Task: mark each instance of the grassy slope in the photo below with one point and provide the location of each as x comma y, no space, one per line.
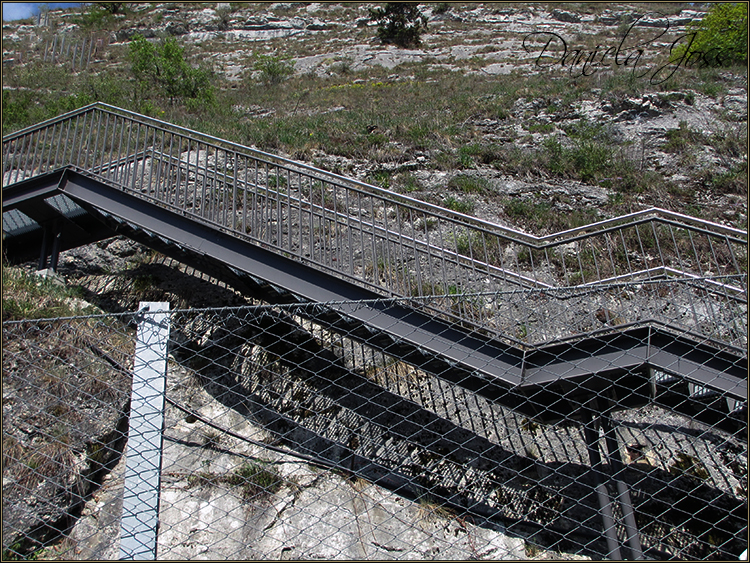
379,116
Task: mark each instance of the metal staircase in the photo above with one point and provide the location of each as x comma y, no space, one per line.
648,307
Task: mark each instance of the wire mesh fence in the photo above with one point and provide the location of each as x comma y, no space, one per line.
288,433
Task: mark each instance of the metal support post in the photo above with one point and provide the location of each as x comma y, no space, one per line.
623,494
140,506
605,502
56,241
44,252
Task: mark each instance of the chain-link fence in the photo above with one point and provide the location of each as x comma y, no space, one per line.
294,431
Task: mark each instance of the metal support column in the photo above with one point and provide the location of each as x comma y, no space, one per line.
51,242
140,506
56,241
44,252
623,494
594,421
591,431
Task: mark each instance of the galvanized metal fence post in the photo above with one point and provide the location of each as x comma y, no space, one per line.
140,507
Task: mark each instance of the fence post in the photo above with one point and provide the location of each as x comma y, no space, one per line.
140,506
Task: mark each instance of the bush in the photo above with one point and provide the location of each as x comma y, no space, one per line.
274,70
400,23
720,37
163,65
100,15
469,184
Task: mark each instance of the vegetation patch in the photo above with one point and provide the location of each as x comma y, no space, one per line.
400,23
720,38
460,205
469,184
255,480
162,65
30,296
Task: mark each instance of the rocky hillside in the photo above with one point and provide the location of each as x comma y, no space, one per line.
512,113
541,117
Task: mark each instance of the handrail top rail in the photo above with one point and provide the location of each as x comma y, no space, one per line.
544,241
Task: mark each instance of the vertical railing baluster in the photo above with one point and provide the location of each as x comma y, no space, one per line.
178,172
114,149
335,255
166,195
96,142
403,261
216,190
137,182
64,125
84,139
43,164
234,191
376,272
349,232
17,158
225,189
417,259
658,243
27,151
7,164
256,204
152,163
300,226
323,227
159,163
270,204
289,210
74,152
209,188
244,200
362,254
36,147
117,168
206,204
129,153
104,162
196,200
186,181
625,252
158,156
279,213
311,226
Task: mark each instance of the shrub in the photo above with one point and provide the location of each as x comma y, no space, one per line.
682,139
100,15
223,16
400,23
274,70
469,184
720,38
459,205
163,65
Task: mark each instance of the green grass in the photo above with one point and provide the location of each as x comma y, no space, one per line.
385,115
469,184
255,480
460,205
28,296
682,139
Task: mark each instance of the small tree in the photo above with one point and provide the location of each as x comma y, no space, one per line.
400,23
721,36
163,65
274,70
111,7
